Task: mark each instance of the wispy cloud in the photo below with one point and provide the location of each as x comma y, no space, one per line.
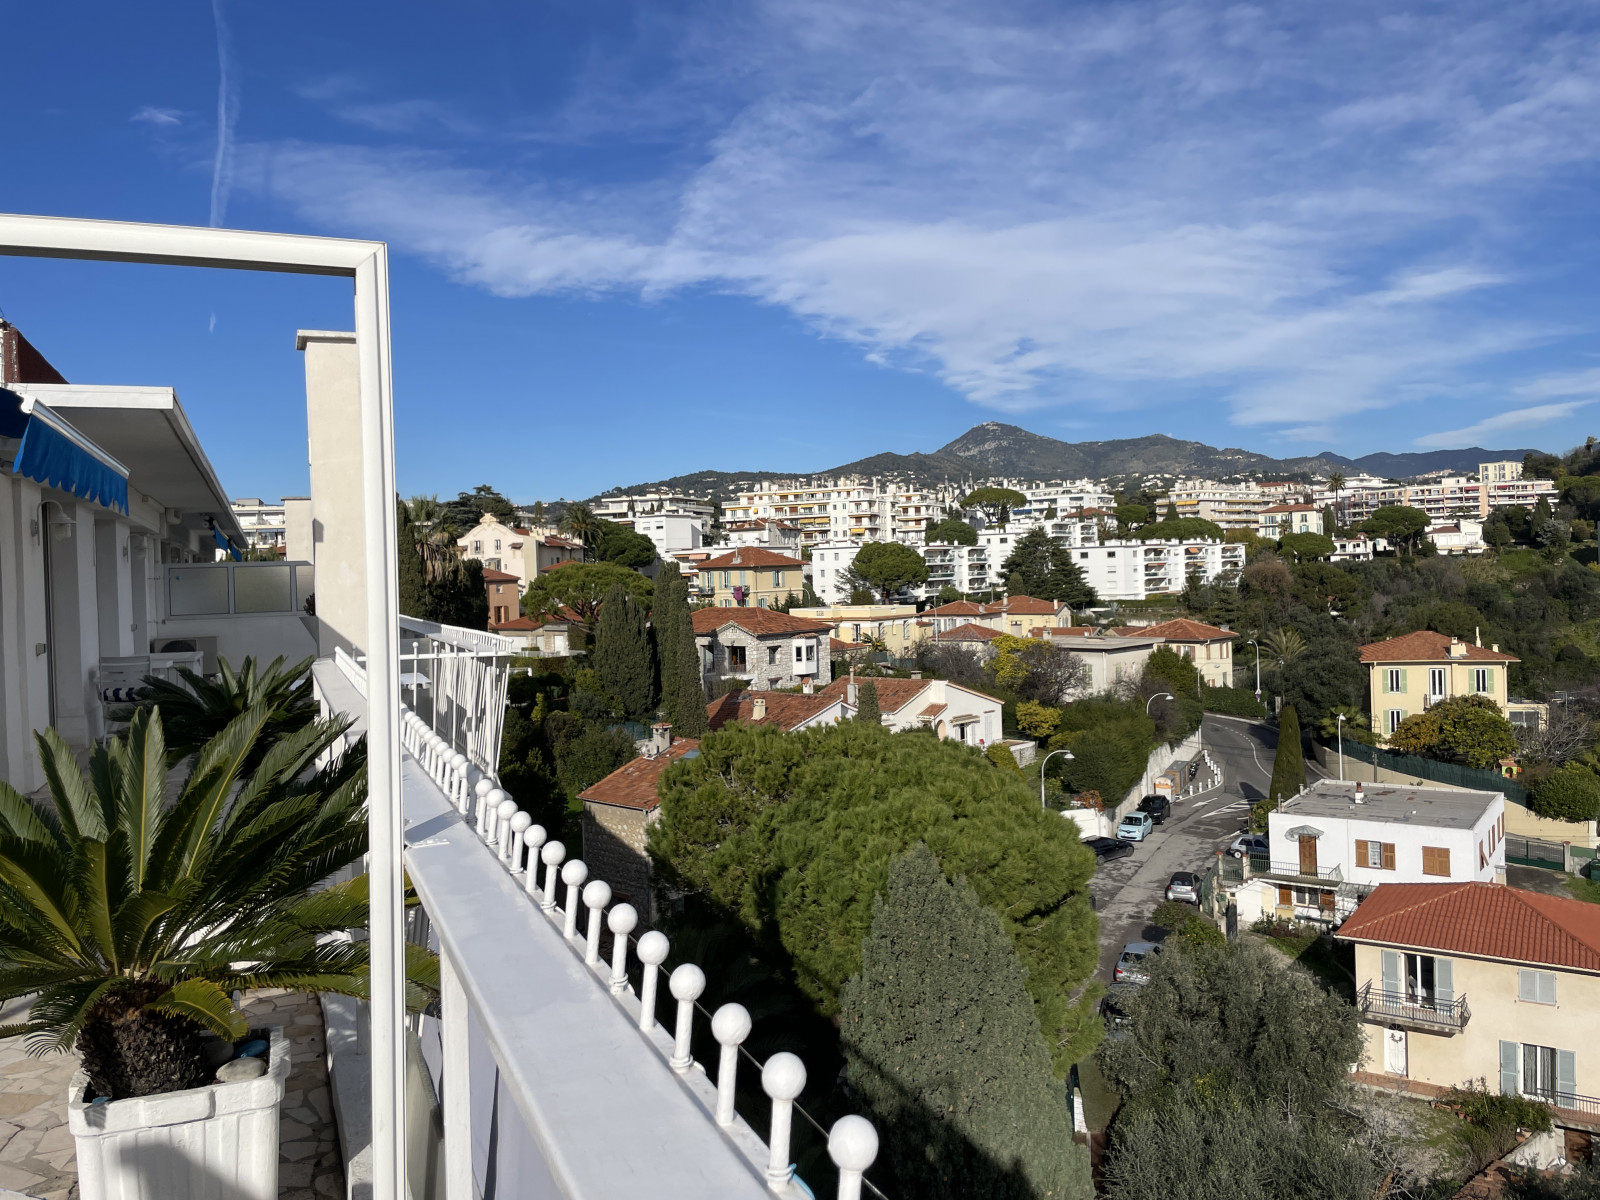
227,117
1512,423
1294,211
151,115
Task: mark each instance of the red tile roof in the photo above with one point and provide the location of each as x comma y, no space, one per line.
633,784
968,633
893,694
1483,919
759,621
1024,606
956,608
838,647
784,709
517,625
1179,630
751,556
561,543
490,575
1426,646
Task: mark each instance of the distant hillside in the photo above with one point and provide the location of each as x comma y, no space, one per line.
996,449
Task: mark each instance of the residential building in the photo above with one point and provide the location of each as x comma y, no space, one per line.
1355,548
505,596
1131,569
1277,520
786,710
1112,655
263,524
965,568
1018,616
956,713
1230,505
1500,472
621,508
1210,648
847,508
548,638
1457,536
515,550
1460,982
1062,496
978,639
896,626
670,531
1410,673
618,812
768,649
1447,497
830,564
782,536
751,578
1334,842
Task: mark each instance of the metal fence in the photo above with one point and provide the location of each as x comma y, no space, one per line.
1532,852
1452,774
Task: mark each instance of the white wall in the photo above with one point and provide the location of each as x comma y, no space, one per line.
333,427
1337,846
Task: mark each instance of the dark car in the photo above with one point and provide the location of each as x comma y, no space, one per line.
1105,849
1159,808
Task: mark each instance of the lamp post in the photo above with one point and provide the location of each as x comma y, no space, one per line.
1257,645
1147,704
1339,725
1042,761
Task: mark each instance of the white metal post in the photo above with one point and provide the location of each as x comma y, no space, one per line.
458,1181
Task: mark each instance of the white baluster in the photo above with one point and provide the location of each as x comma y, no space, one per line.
480,793
503,814
458,775
730,1025
622,921
783,1079
653,949
469,792
686,984
852,1144
573,875
533,838
489,815
520,823
552,854
595,898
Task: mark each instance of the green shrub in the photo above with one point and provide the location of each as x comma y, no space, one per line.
1232,702
1490,1121
1566,794
1002,757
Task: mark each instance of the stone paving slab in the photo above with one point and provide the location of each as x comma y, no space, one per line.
37,1161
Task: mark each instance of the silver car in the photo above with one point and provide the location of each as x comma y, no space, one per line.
1184,886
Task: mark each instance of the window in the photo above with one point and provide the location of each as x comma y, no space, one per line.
1536,987
1435,681
477,547
497,545
1394,680
799,654
1547,1072
1436,860
777,579
1376,856
736,658
1393,718
727,579
811,652
772,656
1482,680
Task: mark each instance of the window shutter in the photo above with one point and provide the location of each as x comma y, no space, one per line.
1528,986
1361,852
1566,1076
1547,987
1508,1068
1388,856
1391,972
1444,980
1436,860
1403,685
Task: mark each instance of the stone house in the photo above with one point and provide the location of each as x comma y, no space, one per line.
769,649
618,812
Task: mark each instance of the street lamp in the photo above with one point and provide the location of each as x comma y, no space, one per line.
1153,699
1257,645
1339,718
1042,761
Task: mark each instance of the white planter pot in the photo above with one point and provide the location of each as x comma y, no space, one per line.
218,1142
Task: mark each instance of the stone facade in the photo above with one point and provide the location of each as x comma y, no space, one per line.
614,848
768,661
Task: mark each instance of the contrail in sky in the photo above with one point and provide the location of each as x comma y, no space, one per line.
227,116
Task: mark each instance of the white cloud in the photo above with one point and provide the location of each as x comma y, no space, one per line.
1301,213
1512,423
151,115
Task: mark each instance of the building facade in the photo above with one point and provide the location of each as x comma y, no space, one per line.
955,713
767,649
264,525
1208,647
751,578
1409,674
1130,569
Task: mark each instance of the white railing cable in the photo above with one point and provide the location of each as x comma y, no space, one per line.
520,846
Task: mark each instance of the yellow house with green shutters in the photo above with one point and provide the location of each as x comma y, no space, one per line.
1409,674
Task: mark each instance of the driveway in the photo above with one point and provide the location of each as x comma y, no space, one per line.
1126,890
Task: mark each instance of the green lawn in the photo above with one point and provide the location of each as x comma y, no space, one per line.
1583,889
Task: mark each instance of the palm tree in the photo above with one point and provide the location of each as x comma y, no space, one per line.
195,711
131,914
425,511
1336,485
579,521
1283,645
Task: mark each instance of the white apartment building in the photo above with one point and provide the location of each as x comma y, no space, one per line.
849,509
770,535
1279,520
829,562
1128,569
1458,535
263,524
1451,495
1062,496
618,508
1230,505
965,568
670,531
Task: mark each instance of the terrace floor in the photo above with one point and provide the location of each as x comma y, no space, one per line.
36,1151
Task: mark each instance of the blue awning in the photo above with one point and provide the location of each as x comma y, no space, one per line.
224,544
57,455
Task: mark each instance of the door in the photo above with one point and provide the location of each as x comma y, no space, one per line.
1308,856
1420,979
1394,1051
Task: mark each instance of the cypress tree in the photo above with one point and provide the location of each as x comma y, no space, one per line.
671,596
412,577
1289,767
689,707
867,704
942,1044
622,656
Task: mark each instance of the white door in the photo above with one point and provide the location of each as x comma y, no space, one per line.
1394,1051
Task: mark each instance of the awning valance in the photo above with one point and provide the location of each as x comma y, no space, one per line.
1304,831
57,455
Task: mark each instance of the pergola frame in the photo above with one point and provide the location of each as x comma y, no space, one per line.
367,263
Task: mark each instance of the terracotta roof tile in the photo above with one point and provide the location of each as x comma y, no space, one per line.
893,694
1180,630
956,608
784,709
1483,919
751,556
490,575
968,633
838,647
759,621
633,784
517,625
1427,646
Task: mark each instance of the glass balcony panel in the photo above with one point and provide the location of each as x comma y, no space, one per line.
197,591
264,588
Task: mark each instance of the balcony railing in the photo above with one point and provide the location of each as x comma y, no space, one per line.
1295,870
1437,1016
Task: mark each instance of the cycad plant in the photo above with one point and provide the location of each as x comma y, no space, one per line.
195,711
132,908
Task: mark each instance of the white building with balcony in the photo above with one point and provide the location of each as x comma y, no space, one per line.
263,524
1130,569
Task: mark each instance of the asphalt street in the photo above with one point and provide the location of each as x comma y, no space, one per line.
1128,889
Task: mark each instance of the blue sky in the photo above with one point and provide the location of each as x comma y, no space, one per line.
633,240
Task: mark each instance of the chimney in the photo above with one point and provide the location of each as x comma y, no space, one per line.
758,708
851,691
809,687
660,738
1361,796
1477,635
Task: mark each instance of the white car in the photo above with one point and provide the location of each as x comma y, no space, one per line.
1252,844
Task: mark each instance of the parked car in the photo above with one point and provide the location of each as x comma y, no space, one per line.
1135,827
1184,886
1159,808
1105,849
1114,1010
1130,966
1253,844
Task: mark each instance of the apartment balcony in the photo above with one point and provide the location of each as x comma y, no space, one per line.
1298,872
1409,1011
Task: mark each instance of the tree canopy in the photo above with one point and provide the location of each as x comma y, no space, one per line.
1570,793
1463,729
1188,529
792,834
623,656
888,567
1400,524
467,509
581,588
995,503
618,544
943,1046
1041,567
867,704
952,531
1289,763
1306,546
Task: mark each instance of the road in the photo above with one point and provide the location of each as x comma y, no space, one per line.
1126,890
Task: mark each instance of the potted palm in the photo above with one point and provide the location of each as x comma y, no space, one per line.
134,908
